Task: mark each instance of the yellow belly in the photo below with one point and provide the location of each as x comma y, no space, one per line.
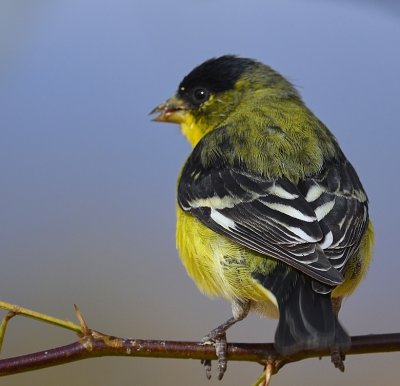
220,267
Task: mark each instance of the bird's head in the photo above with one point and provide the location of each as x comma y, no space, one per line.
209,95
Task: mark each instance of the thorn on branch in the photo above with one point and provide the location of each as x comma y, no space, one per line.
85,330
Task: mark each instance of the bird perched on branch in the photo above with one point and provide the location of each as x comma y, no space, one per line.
271,215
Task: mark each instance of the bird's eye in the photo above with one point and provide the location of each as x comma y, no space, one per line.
200,95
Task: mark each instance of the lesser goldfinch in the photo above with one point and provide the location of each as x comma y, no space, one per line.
270,215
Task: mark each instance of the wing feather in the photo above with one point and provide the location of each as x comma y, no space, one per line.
314,226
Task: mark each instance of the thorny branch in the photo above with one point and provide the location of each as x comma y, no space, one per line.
93,344
99,345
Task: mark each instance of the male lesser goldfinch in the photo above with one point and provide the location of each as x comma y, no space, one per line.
271,215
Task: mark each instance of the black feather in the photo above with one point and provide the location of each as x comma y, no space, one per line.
217,74
306,318
282,226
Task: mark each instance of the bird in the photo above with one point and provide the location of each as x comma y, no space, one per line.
271,215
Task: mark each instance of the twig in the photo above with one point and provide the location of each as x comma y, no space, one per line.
18,310
93,344
99,345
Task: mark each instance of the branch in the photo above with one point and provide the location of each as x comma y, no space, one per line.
98,345
93,344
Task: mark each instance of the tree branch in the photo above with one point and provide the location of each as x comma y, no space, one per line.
97,344
93,344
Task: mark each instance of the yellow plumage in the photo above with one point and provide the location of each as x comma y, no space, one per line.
203,253
271,215
220,267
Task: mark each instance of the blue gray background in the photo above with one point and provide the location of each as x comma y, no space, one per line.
87,182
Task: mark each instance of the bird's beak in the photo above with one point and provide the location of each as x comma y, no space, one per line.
172,110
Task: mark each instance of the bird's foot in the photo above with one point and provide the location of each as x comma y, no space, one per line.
216,337
337,358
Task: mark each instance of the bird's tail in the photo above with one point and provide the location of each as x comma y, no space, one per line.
307,321
306,318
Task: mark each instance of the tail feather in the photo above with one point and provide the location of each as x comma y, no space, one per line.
306,318
307,322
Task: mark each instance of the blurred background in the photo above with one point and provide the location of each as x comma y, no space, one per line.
87,181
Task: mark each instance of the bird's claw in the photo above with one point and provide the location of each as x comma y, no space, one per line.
207,367
218,339
213,336
337,358
220,350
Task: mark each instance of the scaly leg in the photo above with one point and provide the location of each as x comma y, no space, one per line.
337,358
217,337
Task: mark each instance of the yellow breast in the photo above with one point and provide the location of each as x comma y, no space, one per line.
220,267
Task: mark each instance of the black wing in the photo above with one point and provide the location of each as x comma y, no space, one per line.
341,206
313,227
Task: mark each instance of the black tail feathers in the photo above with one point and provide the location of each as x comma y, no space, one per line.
307,322
306,318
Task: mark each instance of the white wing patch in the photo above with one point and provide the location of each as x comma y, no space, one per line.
324,209
222,220
290,211
282,193
314,193
215,202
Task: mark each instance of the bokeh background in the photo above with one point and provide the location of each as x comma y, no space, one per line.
87,182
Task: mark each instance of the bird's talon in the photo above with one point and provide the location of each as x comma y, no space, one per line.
207,340
220,350
213,336
337,358
218,339
207,367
